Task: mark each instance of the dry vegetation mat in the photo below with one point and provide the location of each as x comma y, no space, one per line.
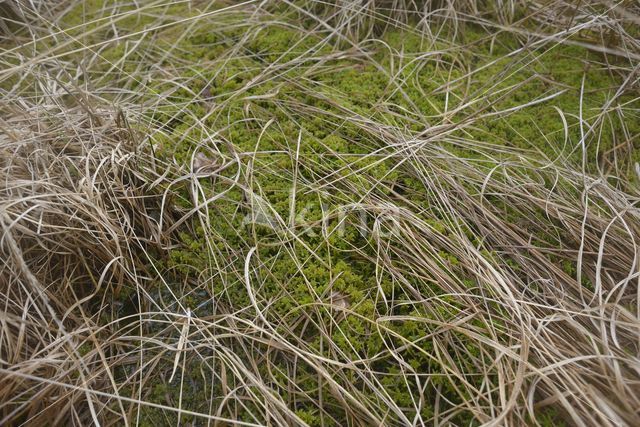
302,212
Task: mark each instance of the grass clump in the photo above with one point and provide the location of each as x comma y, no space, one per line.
309,213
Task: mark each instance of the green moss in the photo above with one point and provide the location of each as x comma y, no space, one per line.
284,88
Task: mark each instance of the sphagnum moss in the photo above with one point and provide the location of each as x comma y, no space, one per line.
370,172
296,279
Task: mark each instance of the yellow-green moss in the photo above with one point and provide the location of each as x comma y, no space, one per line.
410,93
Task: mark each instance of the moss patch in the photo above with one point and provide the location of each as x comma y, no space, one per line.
262,105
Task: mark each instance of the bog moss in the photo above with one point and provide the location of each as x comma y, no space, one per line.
271,114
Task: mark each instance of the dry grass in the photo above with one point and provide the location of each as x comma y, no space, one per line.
91,322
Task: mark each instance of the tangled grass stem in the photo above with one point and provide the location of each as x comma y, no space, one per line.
319,213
